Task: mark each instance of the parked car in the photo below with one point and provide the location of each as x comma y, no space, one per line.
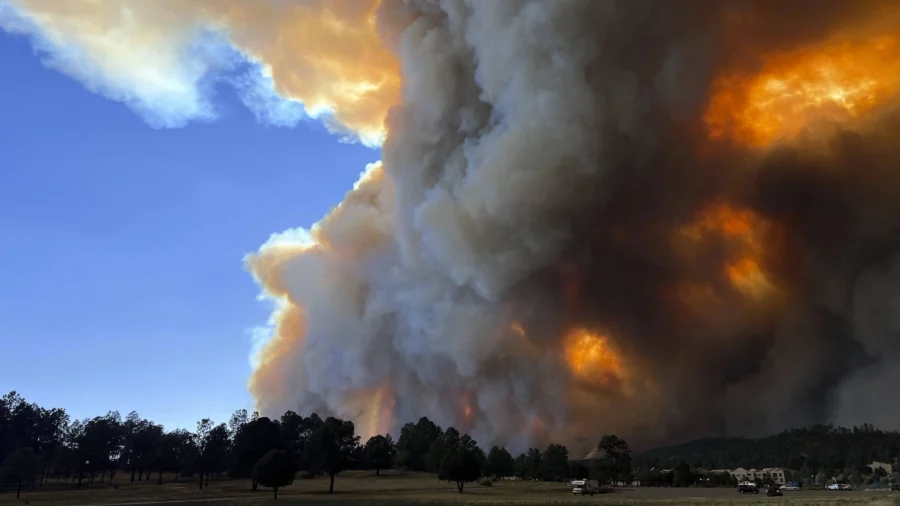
839,486
774,491
748,487
791,486
895,487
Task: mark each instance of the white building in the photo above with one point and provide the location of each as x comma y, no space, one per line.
779,475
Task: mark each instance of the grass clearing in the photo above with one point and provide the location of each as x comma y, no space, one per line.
395,488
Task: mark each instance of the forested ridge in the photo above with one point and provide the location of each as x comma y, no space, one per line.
819,447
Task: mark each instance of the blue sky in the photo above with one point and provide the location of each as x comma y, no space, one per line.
121,247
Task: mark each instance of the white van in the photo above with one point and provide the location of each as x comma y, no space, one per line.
585,487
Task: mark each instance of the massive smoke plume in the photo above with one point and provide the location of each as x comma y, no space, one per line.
658,219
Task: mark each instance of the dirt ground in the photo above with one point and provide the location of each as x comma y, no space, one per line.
364,488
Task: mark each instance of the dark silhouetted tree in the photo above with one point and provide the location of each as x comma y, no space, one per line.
438,450
414,442
520,466
21,466
331,446
460,462
274,470
555,463
166,454
216,450
251,441
682,476
499,463
201,440
614,459
533,464
379,452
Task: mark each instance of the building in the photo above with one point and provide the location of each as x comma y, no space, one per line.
779,475
741,474
888,468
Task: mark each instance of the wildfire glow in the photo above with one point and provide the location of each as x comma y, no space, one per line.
467,411
591,357
380,413
517,329
746,232
840,80
748,278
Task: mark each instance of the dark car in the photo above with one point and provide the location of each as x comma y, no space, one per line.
774,491
748,488
895,487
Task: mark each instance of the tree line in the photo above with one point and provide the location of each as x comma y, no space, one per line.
39,444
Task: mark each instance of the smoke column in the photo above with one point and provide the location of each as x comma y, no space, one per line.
656,219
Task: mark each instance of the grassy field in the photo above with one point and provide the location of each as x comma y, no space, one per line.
364,488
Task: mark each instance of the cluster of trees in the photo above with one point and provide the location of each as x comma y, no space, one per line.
37,444
424,446
819,453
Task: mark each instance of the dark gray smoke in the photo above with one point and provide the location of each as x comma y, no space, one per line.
551,173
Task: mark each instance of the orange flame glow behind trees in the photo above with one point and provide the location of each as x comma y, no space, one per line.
840,80
381,413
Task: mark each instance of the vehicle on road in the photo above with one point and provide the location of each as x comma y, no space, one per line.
774,491
895,486
585,487
748,487
839,486
791,486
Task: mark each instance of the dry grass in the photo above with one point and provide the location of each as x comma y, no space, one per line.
364,488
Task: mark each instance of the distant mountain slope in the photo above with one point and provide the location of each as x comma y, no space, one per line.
813,448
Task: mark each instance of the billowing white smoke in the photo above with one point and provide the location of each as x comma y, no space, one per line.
501,138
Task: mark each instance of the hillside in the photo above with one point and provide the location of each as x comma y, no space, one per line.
813,448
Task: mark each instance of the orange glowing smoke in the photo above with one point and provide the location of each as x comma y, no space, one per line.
838,81
381,413
591,357
467,411
518,329
748,235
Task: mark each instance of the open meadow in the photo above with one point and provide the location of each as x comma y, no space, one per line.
364,488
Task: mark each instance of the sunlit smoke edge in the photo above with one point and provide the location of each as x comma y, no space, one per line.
298,237
192,97
157,109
